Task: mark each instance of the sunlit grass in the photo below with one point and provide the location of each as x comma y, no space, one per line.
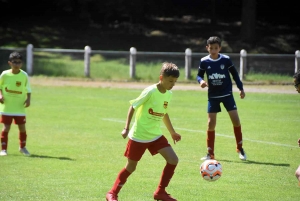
77,150
117,69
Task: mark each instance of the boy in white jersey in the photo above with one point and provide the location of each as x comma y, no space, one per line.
218,68
151,107
15,93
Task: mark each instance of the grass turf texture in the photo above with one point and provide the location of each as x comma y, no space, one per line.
77,151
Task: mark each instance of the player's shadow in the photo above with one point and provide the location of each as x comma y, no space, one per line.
51,157
259,163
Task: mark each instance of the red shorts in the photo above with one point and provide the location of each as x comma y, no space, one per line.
7,120
135,150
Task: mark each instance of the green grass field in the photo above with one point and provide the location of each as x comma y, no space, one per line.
77,150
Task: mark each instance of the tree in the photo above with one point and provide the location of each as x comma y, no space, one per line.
248,20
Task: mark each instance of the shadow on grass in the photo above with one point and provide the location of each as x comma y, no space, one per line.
51,157
259,163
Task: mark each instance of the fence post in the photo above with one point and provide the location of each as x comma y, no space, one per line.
87,54
297,60
243,63
132,62
188,63
29,60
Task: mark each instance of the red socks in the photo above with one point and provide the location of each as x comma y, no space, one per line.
22,138
165,178
210,141
238,137
4,140
120,181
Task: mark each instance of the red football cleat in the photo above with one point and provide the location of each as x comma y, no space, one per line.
111,197
163,197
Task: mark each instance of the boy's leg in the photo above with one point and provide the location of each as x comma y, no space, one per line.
210,142
237,129
165,178
4,140
112,194
6,120
238,137
167,173
210,134
20,121
22,139
120,181
135,151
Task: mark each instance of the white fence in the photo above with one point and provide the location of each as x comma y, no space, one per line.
133,54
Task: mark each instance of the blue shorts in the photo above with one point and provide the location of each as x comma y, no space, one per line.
214,104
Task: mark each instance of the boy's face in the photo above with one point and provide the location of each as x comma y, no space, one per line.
297,85
213,49
168,82
15,64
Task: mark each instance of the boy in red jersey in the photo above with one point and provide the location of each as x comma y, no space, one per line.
218,68
151,108
15,93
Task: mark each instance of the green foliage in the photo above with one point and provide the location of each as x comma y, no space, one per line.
77,151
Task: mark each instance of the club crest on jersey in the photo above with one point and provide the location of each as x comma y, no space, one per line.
222,66
165,104
18,83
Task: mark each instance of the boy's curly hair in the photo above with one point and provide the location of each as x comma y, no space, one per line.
169,69
15,55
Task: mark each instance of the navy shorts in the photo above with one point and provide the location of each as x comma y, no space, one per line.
214,104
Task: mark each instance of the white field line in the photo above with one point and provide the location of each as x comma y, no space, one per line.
217,134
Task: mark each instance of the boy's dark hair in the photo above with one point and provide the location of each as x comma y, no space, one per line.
169,69
15,55
297,76
213,40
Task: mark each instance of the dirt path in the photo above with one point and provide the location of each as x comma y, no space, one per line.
287,89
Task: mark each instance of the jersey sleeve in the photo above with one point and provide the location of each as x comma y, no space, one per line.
142,98
201,72
28,86
235,76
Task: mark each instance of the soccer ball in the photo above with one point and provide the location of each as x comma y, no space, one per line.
211,170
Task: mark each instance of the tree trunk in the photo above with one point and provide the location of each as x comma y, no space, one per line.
248,20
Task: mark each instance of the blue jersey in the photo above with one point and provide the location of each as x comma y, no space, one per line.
218,75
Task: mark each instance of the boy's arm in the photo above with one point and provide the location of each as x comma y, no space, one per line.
128,120
27,101
236,77
200,77
175,136
1,97
237,80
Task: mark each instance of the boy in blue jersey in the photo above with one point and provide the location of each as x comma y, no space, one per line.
218,68
296,80
151,108
15,93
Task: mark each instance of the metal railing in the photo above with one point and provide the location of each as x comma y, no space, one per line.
247,62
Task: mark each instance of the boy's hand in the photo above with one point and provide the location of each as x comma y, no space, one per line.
203,84
27,103
1,99
242,94
176,137
125,133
